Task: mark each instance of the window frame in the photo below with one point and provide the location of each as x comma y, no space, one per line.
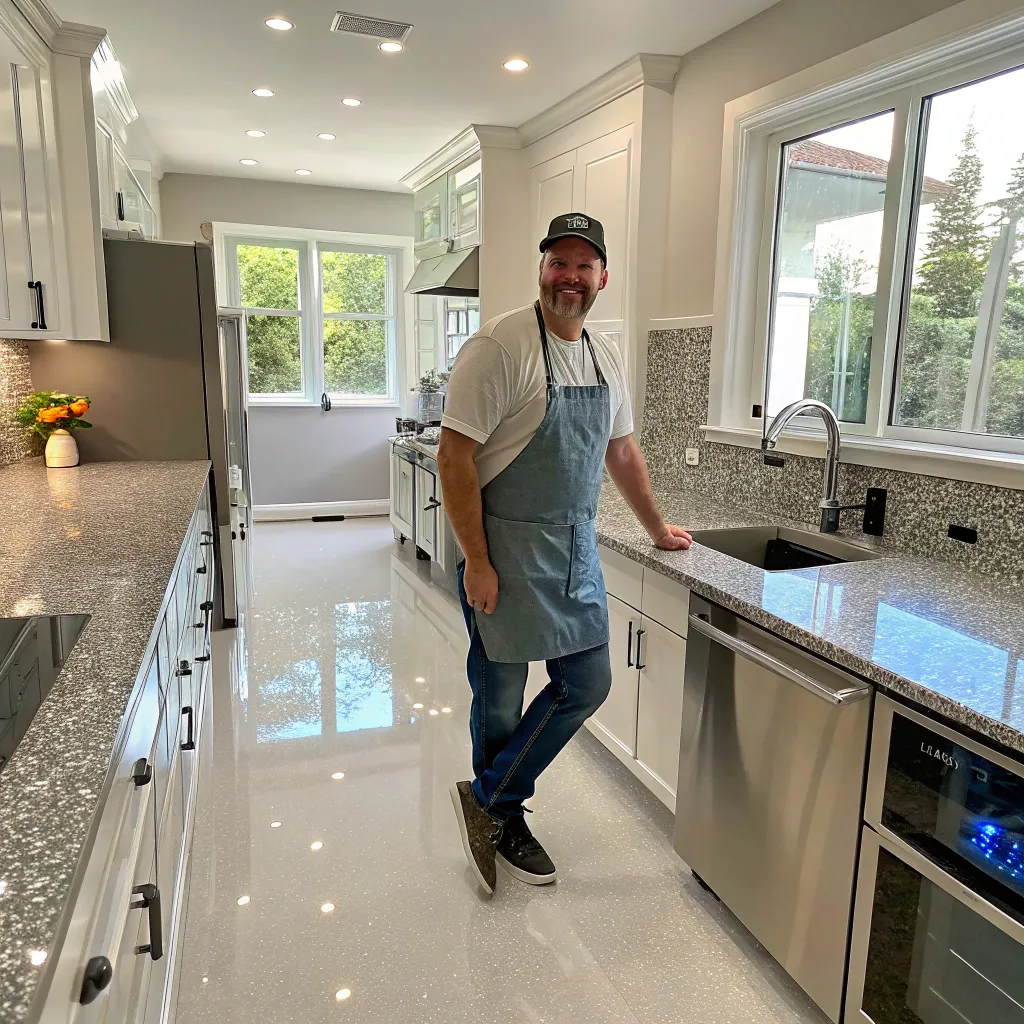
399,252
757,127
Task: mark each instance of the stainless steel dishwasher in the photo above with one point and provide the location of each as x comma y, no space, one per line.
771,780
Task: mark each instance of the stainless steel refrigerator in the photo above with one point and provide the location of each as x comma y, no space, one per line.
170,384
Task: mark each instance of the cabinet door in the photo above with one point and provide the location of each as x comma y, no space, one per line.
404,494
617,716
465,199
661,656
603,187
17,302
430,206
551,191
426,511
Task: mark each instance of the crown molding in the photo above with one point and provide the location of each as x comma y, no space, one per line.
77,40
464,144
644,69
40,16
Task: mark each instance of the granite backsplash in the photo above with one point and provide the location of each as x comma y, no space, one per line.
920,508
15,385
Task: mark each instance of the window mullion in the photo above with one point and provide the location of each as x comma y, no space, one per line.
313,329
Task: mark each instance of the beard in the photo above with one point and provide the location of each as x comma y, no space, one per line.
569,307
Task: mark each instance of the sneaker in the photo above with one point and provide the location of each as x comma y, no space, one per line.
479,834
522,856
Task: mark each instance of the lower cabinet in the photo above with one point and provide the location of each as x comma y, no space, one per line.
118,961
618,715
402,495
661,655
427,505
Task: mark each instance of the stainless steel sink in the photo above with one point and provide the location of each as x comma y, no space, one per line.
778,548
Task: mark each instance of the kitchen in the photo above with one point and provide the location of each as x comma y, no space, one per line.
801,799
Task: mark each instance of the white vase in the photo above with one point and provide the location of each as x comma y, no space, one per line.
61,450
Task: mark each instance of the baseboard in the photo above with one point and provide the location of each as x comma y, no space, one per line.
637,768
306,510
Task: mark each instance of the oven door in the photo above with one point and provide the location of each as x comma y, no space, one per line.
926,949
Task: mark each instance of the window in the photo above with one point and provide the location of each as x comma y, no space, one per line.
462,321
321,317
890,275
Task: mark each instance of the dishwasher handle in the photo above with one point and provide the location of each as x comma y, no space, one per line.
839,698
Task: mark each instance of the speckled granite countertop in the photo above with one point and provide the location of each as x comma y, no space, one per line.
416,444
930,632
100,539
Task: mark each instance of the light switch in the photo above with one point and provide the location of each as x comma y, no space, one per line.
693,456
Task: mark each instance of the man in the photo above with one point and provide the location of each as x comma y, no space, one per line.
536,408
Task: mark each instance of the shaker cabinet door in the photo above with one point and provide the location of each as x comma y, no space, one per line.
617,716
661,654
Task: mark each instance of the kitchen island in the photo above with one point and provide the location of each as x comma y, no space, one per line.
103,540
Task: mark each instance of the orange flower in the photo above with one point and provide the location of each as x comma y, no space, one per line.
53,414
80,407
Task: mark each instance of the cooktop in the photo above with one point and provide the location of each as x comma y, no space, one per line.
32,652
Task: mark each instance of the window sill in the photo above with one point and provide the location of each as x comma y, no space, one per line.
998,469
336,403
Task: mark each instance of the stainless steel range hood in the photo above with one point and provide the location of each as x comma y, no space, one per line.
454,273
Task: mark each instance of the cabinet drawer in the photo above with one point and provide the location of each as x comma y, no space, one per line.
623,577
666,601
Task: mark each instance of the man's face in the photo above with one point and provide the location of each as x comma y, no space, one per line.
571,275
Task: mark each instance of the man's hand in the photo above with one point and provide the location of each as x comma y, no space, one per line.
674,538
481,583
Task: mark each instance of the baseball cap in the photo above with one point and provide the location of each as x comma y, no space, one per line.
577,225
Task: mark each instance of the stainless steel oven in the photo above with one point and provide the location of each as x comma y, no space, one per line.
938,933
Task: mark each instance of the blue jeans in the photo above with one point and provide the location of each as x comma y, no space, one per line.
510,748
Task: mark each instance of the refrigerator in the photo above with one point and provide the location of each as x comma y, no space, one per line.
172,383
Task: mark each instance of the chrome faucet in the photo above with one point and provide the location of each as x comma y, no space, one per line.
830,507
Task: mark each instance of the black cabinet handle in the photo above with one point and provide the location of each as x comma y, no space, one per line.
150,900
201,570
184,669
206,606
98,974
639,633
190,739
434,503
142,773
206,533
39,324
203,657
120,205
629,640
325,402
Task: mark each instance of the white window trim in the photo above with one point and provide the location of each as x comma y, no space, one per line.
401,348
859,82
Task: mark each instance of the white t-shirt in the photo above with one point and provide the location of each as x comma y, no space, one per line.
497,394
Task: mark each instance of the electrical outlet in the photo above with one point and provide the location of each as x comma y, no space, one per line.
693,456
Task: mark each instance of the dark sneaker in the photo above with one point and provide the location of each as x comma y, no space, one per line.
522,856
479,834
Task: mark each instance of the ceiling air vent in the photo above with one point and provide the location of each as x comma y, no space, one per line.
364,25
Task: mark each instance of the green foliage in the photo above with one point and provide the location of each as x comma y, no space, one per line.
32,412
953,270
355,351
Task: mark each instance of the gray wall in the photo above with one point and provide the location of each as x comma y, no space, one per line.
787,38
299,455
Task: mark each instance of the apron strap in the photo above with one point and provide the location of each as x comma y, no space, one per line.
547,356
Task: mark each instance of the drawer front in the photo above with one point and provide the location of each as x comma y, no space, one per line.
623,578
667,602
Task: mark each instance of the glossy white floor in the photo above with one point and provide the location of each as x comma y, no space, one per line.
316,897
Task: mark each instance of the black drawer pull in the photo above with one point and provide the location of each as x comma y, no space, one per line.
150,900
142,773
629,656
206,533
98,974
190,739
639,633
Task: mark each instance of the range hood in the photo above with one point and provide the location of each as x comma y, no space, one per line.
454,273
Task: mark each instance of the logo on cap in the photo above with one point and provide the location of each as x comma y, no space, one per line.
577,223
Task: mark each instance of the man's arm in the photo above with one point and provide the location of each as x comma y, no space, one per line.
460,484
628,468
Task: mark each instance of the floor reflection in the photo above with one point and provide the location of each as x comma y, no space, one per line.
325,785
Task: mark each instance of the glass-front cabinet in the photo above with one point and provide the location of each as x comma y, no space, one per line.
430,205
447,211
464,204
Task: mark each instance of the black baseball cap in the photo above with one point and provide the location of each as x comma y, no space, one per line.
577,225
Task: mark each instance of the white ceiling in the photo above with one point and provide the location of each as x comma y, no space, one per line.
191,67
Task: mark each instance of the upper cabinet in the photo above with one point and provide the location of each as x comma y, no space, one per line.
448,209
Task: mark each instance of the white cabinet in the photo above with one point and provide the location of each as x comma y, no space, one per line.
448,210
465,195
402,495
641,721
618,715
430,209
427,506
661,655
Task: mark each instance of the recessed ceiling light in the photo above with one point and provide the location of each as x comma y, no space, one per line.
338,775
242,900
516,64
275,824
327,136
281,24
326,908
255,133
391,46
316,846
434,711
351,101
446,711
249,163
263,92
303,171
342,994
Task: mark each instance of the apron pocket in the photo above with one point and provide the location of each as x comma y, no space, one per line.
528,551
585,565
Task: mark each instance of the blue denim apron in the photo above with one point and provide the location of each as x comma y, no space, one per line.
539,518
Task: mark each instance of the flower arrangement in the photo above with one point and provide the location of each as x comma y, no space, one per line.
432,382
48,411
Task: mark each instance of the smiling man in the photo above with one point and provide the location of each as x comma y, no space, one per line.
536,409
